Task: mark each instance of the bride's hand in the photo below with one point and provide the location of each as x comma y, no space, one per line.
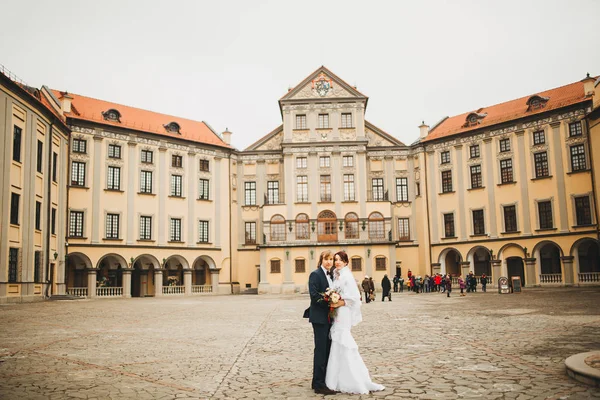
339,304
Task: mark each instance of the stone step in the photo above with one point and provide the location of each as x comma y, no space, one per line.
64,297
250,291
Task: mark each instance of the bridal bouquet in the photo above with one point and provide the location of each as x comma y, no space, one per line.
331,296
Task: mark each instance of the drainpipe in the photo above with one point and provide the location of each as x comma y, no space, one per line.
427,209
230,229
49,137
597,212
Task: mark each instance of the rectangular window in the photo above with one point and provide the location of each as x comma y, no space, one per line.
545,215
17,144
449,226
346,120
474,151
348,161
476,181
38,215
302,189
504,145
300,266
510,218
446,181
418,188
325,162
578,158
77,173
478,222
575,129
275,266
357,264
349,194
273,192
15,199
146,182
54,167
13,264
301,162
53,221
176,161
114,151
250,233
323,121
301,121
112,226
583,210
541,164
147,156
145,228
40,155
250,193
204,165
506,171
203,189
79,146
325,188
444,157
175,229
114,178
380,264
402,189
203,231
76,224
539,137
403,229
377,188
176,185
37,266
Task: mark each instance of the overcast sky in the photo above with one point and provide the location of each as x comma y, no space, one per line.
229,62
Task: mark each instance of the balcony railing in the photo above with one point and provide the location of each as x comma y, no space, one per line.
274,198
201,289
377,195
173,289
360,233
550,278
589,277
77,291
109,291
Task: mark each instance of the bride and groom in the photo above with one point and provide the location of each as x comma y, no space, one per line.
337,365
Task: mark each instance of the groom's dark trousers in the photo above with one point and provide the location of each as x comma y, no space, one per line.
317,315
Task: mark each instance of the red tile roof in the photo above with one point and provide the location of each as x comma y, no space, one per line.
90,109
514,109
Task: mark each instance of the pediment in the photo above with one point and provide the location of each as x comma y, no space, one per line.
322,84
271,141
378,138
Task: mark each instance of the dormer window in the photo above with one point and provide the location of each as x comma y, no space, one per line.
172,127
474,119
536,102
112,115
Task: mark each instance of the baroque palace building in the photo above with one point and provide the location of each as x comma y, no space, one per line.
138,203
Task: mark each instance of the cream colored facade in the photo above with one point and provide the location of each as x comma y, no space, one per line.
33,202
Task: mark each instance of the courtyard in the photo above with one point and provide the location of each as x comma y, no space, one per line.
425,346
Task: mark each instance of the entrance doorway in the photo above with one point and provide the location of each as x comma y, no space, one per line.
514,267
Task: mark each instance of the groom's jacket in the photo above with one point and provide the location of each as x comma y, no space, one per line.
318,311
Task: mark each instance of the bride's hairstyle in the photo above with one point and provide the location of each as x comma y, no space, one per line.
343,256
326,253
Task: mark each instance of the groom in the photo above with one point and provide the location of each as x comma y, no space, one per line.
317,314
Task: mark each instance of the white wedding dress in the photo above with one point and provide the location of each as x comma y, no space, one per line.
346,370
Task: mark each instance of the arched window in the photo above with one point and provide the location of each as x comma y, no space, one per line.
351,222
277,228
300,265
356,263
376,226
380,263
327,224
172,127
302,231
536,102
112,115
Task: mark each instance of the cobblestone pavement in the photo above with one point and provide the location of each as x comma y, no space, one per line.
424,346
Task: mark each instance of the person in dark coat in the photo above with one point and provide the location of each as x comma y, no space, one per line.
372,288
395,283
386,286
484,280
366,288
448,284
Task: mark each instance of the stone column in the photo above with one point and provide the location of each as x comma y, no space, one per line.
567,262
530,276
465,267
187,281
92,273
127,282
264,285
288,285
496,272
158,282
214,280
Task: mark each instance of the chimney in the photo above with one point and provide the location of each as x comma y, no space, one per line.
588,85
424,130
65,102
227,136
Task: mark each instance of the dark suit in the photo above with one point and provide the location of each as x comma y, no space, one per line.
317,315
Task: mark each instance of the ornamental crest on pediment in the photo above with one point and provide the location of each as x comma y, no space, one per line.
539,147
445,167
80,157
402,174
473,161
348,134
376,174
575,140
505,155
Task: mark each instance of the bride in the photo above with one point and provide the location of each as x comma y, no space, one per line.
346,371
